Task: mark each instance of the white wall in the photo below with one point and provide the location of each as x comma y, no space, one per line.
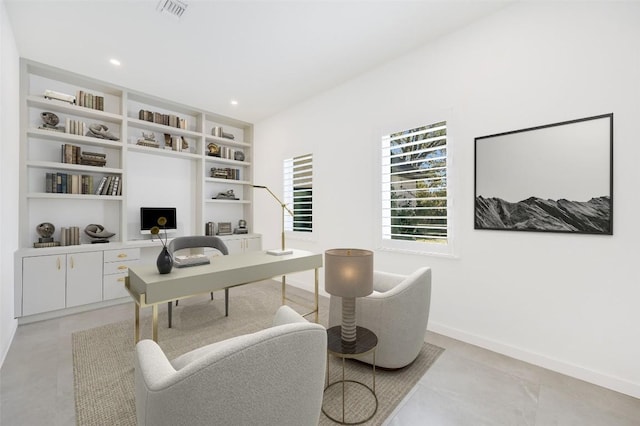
9,137
566,302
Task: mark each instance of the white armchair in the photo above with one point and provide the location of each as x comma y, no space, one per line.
397,312
274,376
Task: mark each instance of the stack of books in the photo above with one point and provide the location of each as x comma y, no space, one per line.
72,154
93,159
89,100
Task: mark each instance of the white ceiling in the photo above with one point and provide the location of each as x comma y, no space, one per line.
268,55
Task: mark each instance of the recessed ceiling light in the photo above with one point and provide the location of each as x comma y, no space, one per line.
234,102
114,62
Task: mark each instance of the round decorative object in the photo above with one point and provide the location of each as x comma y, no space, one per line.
238,156
164,262
214,150
49,118
45,229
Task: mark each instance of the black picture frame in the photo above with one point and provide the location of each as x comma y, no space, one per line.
551,178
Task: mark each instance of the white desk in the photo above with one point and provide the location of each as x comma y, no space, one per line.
147,287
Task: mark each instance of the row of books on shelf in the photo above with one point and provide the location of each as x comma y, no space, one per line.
64,183
75,127
72,154
89,100
109,185
228,153
225,173
70,236
159,118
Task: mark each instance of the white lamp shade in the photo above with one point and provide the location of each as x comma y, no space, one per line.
348,272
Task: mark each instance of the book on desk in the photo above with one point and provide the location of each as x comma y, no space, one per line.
190,260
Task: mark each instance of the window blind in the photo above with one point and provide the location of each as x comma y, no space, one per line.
298,192
414,185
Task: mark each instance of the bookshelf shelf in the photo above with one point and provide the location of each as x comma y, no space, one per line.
218,160
65,107
228,201
164,152
226,141
54,196
228,181
72,167
54,136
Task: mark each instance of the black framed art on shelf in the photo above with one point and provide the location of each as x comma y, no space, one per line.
552,178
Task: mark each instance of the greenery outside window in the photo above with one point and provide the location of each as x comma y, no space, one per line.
415,199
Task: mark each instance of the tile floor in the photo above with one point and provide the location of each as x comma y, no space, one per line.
466,386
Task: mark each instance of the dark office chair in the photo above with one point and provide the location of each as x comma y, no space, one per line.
199,241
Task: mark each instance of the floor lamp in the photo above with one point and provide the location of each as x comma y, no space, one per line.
282,250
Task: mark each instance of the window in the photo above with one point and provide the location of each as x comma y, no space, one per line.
298,192
414,187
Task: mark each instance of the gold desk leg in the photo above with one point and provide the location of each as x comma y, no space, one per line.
284,283
154,322
136,333
316,295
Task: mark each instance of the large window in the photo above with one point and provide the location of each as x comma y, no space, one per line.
298,193
414,186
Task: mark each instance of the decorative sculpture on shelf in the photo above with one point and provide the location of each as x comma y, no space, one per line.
101,131
97,233
214,150
50,122
228,195
148,139
45,230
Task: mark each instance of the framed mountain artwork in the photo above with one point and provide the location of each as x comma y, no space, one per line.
552,178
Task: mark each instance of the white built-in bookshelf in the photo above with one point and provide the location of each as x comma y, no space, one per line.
167,174
148,176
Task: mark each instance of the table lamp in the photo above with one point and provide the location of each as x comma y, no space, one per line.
348,273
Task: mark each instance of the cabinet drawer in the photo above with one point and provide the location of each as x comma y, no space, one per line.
118,267
113,287
120,255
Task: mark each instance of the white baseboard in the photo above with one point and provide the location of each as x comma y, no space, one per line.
12,334
610,382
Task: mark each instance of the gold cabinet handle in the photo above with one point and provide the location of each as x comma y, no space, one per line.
71,261
123,267
122,255
58,263
121,280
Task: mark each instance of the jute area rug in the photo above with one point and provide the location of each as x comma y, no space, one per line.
103,357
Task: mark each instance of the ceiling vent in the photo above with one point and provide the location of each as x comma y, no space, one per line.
173,8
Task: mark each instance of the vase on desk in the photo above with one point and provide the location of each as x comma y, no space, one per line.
164,262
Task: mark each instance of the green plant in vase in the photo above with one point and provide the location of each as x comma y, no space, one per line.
165,261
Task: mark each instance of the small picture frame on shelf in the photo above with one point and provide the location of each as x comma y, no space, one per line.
224,228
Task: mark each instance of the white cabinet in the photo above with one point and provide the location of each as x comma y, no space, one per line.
44,279
60,281
84,278
242,243
116,268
